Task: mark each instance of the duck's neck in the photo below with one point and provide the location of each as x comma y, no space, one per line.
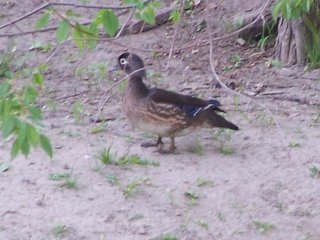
137,87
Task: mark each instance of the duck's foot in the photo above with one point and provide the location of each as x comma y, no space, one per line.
167,151
157,144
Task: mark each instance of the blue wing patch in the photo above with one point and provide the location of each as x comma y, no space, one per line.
192,111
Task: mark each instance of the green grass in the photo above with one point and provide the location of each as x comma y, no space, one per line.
314,172
58,176
293,144
58,230
77,112
196,148
136,160
202,224
263,227
221,217
113,180
106,157
192,196
70,182
99,128
201,182
131,189
224,137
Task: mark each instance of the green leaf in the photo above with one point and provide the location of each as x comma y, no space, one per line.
78,38
43,67
22,133
43,20
36,113
109,21
92,43
276,10
15,149
25,148
62,31
46,145
32,135
148,15
37,78
175,16
4,88
7,127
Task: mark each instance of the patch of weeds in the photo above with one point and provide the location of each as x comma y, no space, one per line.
263,227
70,182
135,186
266,121
304,212
129,139
227,25
38,45
4,166
266,35
58,230
93,71
105,156
293,144
70,133
166,236
314,172
192,196
224,137
315,121
280,206
77,112
52,104
238,22
227,68
99,128
236,61
274,63
201,182
221,217
58,176
113,179
131,189
226,150
136,160
202,224
196,148
6,62
136,217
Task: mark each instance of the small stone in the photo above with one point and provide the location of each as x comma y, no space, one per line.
241,41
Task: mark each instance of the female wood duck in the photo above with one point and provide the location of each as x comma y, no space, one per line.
164,113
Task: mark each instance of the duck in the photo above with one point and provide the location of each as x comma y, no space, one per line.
165,113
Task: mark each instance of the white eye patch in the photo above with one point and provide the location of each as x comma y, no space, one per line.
123,61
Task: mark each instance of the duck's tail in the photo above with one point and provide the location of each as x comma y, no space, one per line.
213,120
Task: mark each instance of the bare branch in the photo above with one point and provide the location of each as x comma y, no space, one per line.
68,4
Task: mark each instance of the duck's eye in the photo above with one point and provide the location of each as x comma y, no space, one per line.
123,61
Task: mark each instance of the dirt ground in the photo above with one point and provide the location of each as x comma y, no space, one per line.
258,183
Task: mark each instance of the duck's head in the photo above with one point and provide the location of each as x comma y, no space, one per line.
131,63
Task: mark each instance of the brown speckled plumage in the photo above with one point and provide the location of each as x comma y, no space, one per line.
164,113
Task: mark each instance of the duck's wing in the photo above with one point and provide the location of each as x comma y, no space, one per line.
189,104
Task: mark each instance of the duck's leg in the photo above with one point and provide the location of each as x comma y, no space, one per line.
158,143
171,148
172,145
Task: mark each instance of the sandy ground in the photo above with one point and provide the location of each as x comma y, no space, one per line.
252,184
